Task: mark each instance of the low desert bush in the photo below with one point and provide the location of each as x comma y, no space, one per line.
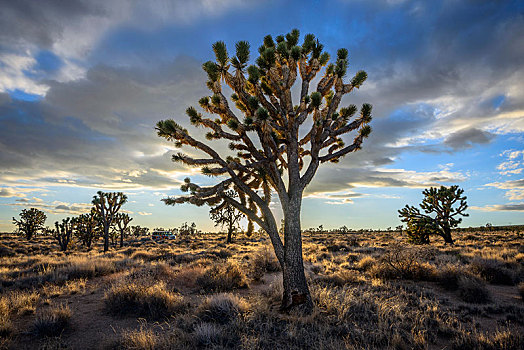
404,263
521,290
338,279
222,278
493,271
501,339
140,339
366,263
262,262
221,308
208,335
52,322
150,301
448,276
5,323
473,290
22,302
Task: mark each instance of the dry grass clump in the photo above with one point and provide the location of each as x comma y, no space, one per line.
338,279
448,276
21,302
262,262
152,301
52,322
222,278
404,263
493,271
501,339
473,290
221,308
6,326
140,339
521,290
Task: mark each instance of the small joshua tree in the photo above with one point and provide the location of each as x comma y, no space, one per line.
226,215
31,221
107,206
122,223
87,227
439,203
277,144
63,233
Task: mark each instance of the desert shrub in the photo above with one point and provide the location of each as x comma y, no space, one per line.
521,290
337,279
22,302
5,322
404,263
140,339
144,255
448,277
222,278
52,322
221,308
221,253
501,339
493,271
208,334
473,290
264,261
136,298
6,251
366,263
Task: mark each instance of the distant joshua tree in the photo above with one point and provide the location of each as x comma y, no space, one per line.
63,233
87,227
269,152
226,215
439,202
31,221
122,223
107,206
138,231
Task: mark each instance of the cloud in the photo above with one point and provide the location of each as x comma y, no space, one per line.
54,207
515,188
144,213
514,163
501,207
467,138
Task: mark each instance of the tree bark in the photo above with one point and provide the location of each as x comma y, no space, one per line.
296,294
121,239
229,234
447,235
106,238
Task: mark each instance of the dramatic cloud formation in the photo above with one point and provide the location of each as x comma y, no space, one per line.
82,84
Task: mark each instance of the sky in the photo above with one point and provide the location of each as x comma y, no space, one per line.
83,83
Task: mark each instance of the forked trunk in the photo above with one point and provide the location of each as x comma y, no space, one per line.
296,291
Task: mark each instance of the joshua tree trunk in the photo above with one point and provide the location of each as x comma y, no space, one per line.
229,235
121,239
296,292
446,234
106,238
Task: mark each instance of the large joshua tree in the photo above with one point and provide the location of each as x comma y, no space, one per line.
274,152
107,205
